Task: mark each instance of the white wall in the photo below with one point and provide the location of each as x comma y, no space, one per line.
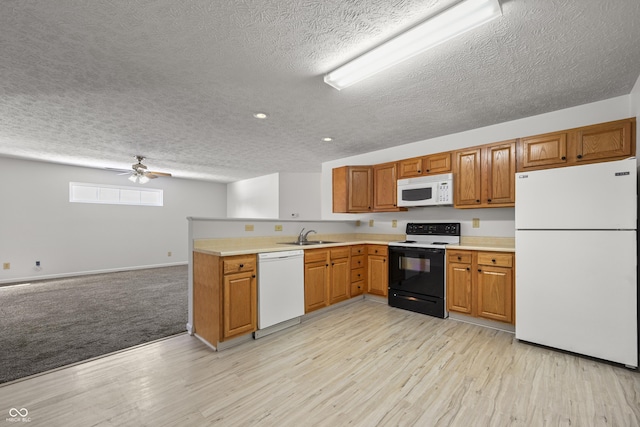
634,99
493,222
254,197
38,223
300,195
279,195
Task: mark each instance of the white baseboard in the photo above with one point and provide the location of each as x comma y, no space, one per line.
18,280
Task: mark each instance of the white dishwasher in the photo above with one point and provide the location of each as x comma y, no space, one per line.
280,290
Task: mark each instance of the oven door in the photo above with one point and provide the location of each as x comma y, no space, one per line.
417,270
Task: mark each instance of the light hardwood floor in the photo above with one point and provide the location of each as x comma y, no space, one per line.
364,364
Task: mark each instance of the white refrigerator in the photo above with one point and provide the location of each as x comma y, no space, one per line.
576,259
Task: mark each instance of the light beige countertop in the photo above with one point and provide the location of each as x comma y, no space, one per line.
495,244
253,245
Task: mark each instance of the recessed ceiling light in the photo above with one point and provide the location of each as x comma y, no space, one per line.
260,115
327,139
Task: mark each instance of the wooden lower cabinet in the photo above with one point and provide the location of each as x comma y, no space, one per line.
358,270
378,270
339,275
225,303
327,277
481,284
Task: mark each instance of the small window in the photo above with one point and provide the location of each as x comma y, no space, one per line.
80,192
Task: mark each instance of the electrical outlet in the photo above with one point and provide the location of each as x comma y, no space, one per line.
370,223
358,223
394,223
248,227
37,263
278,228
6,266
476,223
169,253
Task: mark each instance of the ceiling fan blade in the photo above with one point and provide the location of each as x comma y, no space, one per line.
158,173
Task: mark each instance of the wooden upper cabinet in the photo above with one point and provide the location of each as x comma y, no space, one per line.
485,176
589,144
410,168
436,164
352,189
467,179
498,175
604,141
385,187
543,150
428,165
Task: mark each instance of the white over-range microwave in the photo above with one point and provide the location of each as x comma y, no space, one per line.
435,190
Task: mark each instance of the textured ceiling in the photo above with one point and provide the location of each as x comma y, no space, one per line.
95,82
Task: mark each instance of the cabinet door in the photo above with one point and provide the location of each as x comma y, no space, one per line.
410,168
459,287
240,304
495,293
437,163
385,187
378,275
499,174
359,194
539,151
316,277
604,141
467,179
340,280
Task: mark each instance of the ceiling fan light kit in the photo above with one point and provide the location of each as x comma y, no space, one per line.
140,175
444,26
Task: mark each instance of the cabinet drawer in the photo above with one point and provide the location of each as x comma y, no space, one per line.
463,257
340,252
315,255
378,250
495,258
357,274
237,264
357,288
357,261
357,250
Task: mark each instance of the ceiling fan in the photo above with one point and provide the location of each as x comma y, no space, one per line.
140,174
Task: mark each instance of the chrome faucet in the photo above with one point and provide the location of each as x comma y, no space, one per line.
302,237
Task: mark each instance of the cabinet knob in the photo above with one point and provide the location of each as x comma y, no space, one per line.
428,170
459,258
419,171
333,263
358,275
563,158
241,265
493,261
394,205
477,201
468,269
326,265
253,276
579,156
488,200
376,251
384,260
479,270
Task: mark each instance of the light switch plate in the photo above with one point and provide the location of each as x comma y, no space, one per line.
6,266
476,223
248,227
394,223
370,223
278,228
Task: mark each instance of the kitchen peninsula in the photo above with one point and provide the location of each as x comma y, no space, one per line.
348,266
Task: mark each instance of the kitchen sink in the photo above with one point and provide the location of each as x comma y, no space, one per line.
308,242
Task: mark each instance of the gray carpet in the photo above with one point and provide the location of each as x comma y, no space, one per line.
52,323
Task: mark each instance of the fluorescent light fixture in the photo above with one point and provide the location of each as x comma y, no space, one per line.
446,25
